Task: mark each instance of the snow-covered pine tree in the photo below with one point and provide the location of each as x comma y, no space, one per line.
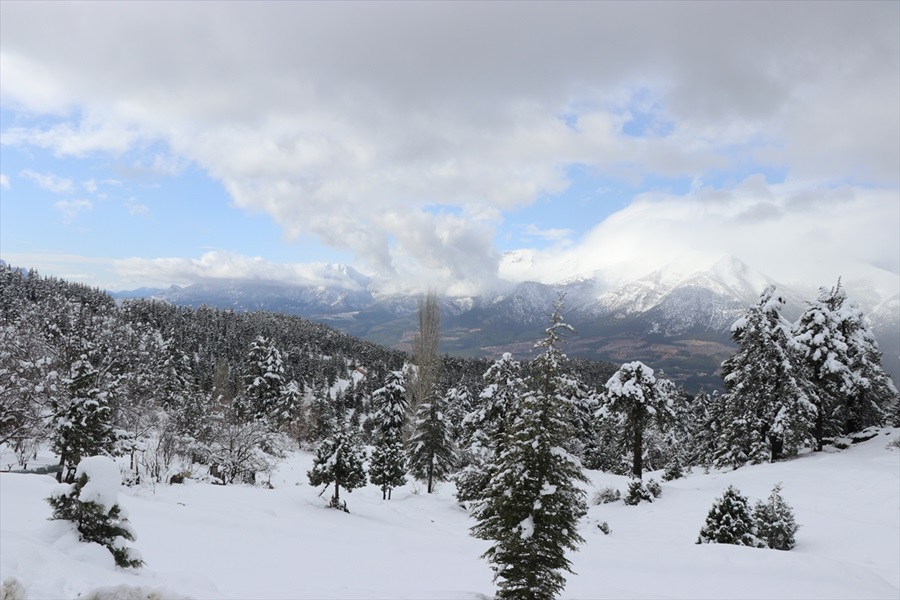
533,501
91,503
431,452
265,397
730,521
775,522
387,469
768,413
340,461
638,401
840,352
485,427
81,419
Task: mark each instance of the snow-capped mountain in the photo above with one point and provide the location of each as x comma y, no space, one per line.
673,318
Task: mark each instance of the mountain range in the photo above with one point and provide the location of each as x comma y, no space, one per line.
673,319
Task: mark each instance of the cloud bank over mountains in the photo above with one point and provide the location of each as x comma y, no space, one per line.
415,137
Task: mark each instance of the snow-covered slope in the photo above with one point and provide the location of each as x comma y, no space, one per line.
206,541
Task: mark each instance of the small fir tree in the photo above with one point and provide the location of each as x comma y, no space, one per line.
431,452
730,521
775,521
90,503
81,419
387,469
339,461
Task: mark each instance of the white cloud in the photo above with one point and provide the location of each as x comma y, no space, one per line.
4,181
346,121
137,209
49,181
776,229
72,208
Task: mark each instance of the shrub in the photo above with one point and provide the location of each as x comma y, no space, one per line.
607,495
674,469
90,503
604,527
730,521
654,488
638,492
775,522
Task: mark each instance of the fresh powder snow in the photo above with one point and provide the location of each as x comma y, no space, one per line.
207,541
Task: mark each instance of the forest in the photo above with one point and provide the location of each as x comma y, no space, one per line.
222,397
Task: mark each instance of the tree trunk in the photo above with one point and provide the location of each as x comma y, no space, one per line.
637,449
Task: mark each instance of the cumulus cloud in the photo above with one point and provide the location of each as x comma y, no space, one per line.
49,181
347,121
72,208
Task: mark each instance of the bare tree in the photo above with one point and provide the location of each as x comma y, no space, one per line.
426,359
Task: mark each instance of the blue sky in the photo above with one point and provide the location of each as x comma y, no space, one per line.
448,145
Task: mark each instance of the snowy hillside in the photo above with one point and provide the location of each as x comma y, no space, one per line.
205,541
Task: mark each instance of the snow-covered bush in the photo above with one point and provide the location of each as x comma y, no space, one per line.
12,589
775,521
638,492
730,521
132,592
674,468
607,495
604,527
91,503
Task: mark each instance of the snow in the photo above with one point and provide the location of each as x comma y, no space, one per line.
104,480
228,542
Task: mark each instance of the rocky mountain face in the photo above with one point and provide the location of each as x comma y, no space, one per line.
672,321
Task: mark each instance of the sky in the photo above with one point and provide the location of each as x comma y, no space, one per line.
448,145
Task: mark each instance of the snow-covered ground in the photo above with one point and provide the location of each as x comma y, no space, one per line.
204,541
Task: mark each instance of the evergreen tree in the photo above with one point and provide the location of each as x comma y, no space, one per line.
90,503
851,389
81,419
431,452
775,521
639,401
485,427
339,461
265,394
532,503
387,469
730,521
768,412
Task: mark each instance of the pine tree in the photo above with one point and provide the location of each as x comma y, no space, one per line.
340,461
265,394
842,356
730,521
485,427
81,420
639,401
532,503
768,413
431,452
387,469
90,503
775,521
